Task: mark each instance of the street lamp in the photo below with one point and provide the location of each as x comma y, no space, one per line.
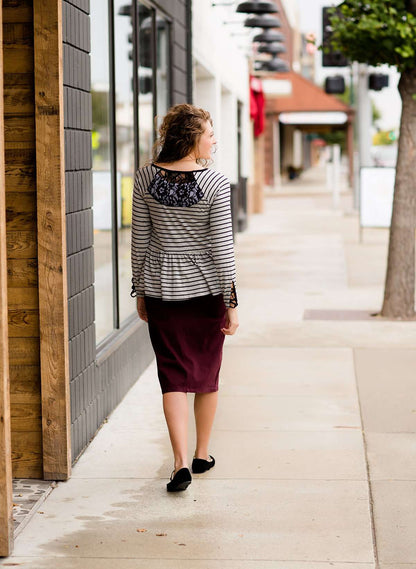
275,64
147,23
269,39
263,21
273,48
257,7
269,36
125,10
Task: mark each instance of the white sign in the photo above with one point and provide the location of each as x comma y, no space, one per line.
376,196
277,87
330,117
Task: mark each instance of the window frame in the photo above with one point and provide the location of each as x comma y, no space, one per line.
119,325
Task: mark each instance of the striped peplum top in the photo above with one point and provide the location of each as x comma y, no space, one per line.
182,241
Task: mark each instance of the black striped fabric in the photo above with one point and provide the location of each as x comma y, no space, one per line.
181,252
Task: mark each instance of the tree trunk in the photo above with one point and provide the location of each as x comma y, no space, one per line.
399,292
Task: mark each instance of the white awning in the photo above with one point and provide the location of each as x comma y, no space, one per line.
330,117
282,87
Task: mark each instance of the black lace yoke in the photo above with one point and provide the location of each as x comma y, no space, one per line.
175,189
233,296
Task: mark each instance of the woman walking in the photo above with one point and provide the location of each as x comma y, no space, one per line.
184,276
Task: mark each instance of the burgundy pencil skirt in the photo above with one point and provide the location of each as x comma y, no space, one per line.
187,339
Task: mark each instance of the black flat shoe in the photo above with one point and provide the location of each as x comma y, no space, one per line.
200,465
180,481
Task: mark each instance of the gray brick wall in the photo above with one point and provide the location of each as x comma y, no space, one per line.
97,385
79,221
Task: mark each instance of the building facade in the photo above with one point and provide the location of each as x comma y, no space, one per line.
137,68
81,83
221,85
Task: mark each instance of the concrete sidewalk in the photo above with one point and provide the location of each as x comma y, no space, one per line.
314,436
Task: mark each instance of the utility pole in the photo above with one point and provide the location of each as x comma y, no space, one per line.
364,117
363,126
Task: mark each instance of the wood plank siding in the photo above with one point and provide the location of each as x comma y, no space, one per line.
6,499
36,238
21,213
58,381
52,285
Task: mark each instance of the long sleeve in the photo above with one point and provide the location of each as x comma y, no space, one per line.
222,243
141,230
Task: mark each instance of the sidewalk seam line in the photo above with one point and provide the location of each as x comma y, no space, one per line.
262,560
367,465
253,478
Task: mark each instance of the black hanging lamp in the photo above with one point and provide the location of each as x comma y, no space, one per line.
275,64
272,47
257,7
269,36
262,21
125,10
147,23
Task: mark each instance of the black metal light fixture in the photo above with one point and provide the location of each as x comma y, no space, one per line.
269,36
257,7
161,23
125,10
263,21
377,81
273,48
335,85
275,64
260,17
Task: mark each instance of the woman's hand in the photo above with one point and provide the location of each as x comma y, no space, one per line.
231,322
141,308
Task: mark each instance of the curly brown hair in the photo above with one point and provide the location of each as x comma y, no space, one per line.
180,132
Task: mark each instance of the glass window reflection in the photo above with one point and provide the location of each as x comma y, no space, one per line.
146,105
123,59
162,66
132,142
101,175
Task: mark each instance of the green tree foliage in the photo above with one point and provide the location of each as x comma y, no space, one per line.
376,32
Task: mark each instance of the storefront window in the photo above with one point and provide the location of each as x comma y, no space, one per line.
117,149
146,106
101,176
162,66
124,97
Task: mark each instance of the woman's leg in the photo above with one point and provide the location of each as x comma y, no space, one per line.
175,407
205,405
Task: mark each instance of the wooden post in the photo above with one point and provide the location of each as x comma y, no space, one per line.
52,274
6,500
259,168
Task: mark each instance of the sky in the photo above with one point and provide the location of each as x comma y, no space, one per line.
387,101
